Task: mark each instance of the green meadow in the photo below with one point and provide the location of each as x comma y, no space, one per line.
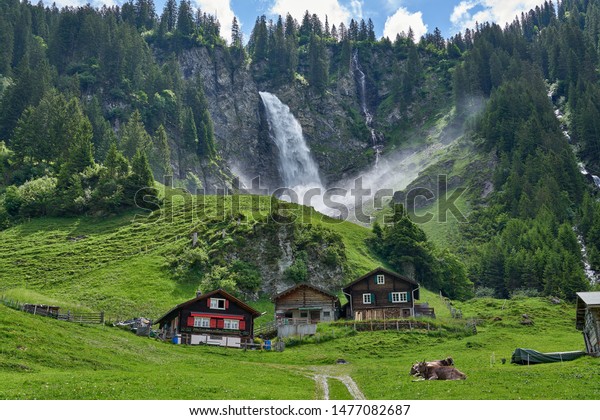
119,265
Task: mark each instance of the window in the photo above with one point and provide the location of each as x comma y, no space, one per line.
217,303
380,279
232,324
367,298
201,322
399,297
326,314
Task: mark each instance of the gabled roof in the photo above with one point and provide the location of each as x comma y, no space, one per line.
305,285
221,292
381,270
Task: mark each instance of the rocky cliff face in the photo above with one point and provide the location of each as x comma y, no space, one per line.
332,122
242,132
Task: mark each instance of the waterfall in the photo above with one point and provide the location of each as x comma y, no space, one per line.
592,276
297,167
362,81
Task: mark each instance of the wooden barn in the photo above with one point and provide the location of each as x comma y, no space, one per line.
382,294
215,318
307,304
588,320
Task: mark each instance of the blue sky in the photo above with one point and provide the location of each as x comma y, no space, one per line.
389,16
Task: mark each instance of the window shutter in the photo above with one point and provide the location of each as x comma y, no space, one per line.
390,298
213,323
242,325
408,296
373,298
190,321
375,279
220,323
208,302
226,304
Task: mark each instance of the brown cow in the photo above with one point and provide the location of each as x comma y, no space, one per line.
448,361
430,373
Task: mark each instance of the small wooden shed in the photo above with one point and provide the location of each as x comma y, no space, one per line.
305,304
588,320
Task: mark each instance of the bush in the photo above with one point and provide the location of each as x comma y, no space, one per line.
484,292
37,196
12,200
4,217
298,271
524,293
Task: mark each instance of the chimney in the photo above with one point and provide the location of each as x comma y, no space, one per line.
198,293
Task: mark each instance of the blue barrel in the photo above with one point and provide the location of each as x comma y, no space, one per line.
267,345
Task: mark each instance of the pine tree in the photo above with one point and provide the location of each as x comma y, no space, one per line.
7,41
141,174
134,136
169,15
79,134
189,130
185,20
370,31
160,159
319,64
258,44
116,164
236,34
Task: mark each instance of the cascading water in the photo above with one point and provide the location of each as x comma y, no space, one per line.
362,81
592,276
298,169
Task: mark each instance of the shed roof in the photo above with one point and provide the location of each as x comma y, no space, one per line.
381,270
591,299
221,292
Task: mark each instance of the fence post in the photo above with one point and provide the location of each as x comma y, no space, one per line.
102,317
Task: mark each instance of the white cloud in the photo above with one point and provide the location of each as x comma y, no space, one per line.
222,9
499,11
402,20
334,11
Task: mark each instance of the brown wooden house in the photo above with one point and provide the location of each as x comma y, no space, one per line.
588,320
307,304
381,294
216,318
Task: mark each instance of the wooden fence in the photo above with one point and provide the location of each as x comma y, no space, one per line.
53,312
401,324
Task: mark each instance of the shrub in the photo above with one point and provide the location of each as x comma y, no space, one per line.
524,293
37,196
484,292
12,200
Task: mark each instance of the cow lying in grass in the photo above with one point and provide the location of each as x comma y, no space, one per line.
448,361
448,373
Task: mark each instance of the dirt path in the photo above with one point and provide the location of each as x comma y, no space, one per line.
323,386
353,389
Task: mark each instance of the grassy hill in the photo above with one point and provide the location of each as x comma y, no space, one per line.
49,359
121,265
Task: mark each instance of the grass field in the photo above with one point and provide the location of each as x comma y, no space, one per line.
118,265
43,358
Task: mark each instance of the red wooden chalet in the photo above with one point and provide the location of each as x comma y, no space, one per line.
216,318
